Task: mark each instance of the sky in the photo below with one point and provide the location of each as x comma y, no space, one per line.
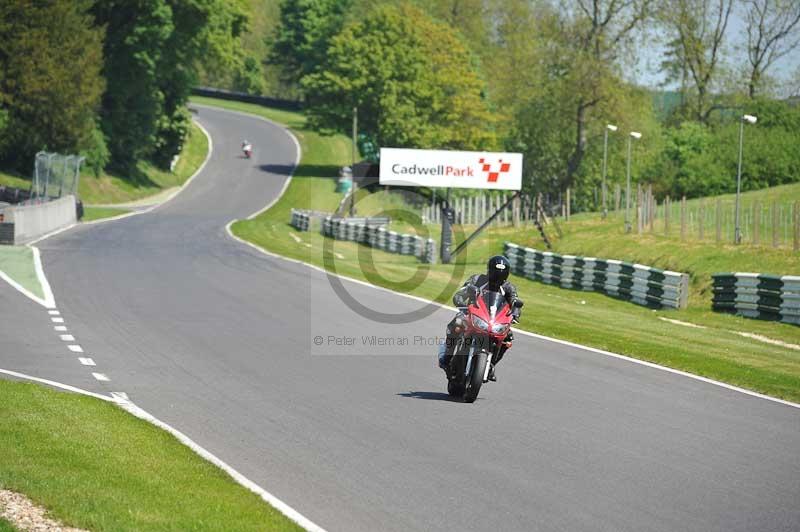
647,71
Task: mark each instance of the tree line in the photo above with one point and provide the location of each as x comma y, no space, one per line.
110,79
545,77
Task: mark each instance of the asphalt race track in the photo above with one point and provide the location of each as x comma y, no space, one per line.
217,339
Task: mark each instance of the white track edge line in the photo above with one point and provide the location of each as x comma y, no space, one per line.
150,208
286,130
134,410
526,333
55,384
282,507
21,289
49,299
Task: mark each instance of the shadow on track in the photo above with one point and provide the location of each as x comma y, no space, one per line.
430,396
303,170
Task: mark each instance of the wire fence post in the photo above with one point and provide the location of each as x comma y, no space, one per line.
775,224
701,218
718,215
796,226
756,222
683,218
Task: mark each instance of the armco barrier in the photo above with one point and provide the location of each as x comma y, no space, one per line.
636,283
758,295
368,231
290,105
28,222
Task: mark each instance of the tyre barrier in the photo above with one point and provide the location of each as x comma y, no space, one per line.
370,231
758,295
643,285
301,220
304,220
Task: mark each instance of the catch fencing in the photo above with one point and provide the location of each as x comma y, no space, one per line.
376,236
758,295
636,283
55,175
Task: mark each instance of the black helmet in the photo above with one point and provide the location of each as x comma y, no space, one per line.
497,270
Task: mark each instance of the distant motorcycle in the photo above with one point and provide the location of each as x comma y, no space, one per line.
487,320
247,149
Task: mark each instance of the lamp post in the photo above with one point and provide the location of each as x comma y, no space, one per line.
353,163
633,135
609,127
737,237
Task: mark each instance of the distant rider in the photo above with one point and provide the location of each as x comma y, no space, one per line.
246,146
497,270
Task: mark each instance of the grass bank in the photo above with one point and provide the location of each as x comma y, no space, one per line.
714,349
17,263
94,466
147,179
717,350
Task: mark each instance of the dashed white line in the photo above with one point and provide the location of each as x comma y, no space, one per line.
120,396
54,313
57,320
87,361
67,337
60,328
75,348
100,377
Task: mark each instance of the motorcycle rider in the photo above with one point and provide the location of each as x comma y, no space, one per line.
246,146
495,279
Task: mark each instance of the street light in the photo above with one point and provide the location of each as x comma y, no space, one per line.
609,127
737,237
634,135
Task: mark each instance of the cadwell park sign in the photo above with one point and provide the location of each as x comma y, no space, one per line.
451,169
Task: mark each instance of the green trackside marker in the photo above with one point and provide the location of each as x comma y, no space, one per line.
17,263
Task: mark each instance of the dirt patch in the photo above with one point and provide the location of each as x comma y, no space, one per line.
21,512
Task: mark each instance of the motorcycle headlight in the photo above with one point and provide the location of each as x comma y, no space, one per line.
479,323
499,328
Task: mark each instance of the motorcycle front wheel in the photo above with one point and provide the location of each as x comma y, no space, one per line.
475,380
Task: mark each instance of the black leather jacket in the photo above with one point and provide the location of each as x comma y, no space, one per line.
480,280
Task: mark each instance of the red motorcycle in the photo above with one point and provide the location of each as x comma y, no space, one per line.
485,324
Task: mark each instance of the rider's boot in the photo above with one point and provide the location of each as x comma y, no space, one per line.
503,348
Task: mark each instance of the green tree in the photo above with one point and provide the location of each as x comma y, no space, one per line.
136,35
303,35
698,28
152,54
50,82
413,80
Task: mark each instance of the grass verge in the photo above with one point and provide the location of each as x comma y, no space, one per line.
17,263
94,466
146,180
5,526
98,213
716,350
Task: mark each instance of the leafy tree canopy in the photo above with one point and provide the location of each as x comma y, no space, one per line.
412,79
50,82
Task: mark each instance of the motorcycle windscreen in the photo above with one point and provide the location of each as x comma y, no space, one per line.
494,299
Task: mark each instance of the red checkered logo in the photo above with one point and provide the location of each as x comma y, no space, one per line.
493,175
